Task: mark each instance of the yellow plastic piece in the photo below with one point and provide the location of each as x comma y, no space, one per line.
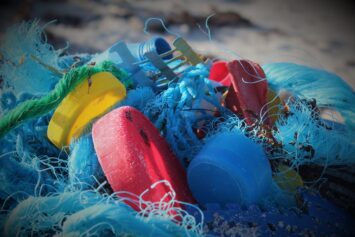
288,179
90,99
190,55
275,103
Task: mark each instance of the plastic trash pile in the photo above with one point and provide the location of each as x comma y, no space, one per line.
154,139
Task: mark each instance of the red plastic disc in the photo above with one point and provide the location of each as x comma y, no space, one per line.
134,156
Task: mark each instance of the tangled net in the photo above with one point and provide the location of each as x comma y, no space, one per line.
47,191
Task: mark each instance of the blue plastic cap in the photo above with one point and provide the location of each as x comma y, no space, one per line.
230,168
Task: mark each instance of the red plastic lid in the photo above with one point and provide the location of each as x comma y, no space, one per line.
220,73
134,156
248,93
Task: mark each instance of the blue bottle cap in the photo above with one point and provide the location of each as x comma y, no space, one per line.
230,169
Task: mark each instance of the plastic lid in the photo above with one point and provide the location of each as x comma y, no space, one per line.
230,168
83,104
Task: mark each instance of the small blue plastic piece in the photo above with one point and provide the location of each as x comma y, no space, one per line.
131,64
230,168
169,69
161,65
130,56
137,50
157,45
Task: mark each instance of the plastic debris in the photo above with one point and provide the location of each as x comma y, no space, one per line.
134,156
131,56
230,168
247,94
87,101
138,115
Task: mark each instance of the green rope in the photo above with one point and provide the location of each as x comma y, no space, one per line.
38,107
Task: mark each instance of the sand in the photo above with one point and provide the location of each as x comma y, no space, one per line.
314,32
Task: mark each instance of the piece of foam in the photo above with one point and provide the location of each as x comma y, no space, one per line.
134,156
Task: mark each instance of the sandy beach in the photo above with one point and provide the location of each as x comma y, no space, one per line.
316,33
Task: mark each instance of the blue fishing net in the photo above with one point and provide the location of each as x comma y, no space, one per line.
138,98
83,165
63,192
328,89
305,136
177,110
87,213
48,191
23,44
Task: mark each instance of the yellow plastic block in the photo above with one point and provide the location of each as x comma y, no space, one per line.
288,179
90,99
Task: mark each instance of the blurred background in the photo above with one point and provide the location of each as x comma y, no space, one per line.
314,32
